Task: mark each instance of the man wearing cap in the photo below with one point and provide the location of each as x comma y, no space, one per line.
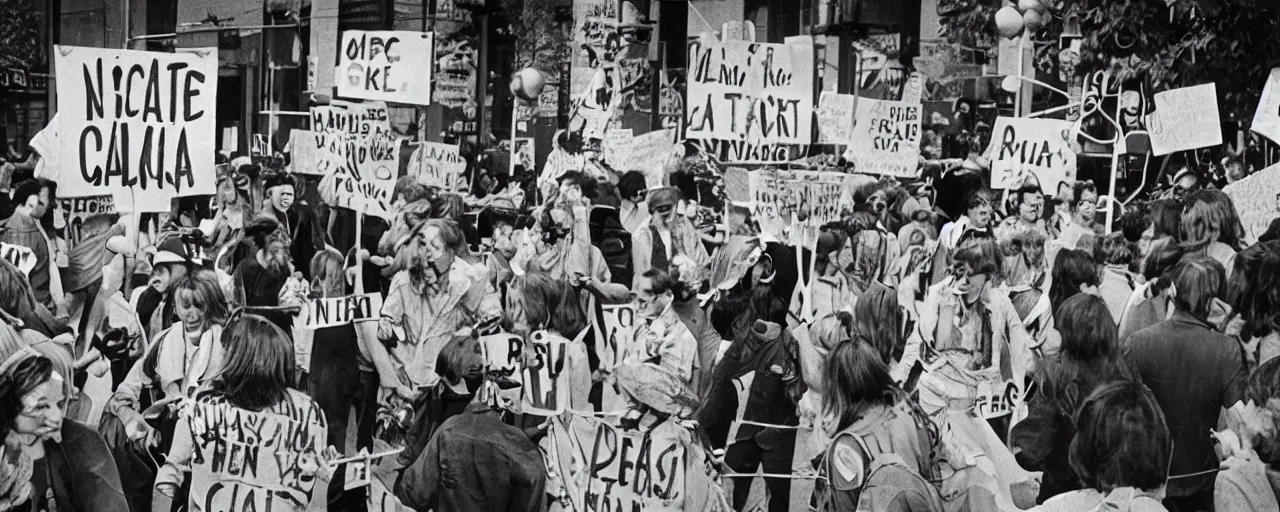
297,220
666,235
173,260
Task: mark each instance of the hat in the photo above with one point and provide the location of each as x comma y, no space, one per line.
828,242
261,226
176,250
277,179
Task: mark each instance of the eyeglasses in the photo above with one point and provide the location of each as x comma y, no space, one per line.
664,209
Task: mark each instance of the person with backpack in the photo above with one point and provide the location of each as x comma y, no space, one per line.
881,456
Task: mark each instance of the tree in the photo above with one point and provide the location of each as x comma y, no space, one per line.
1167,44
21,43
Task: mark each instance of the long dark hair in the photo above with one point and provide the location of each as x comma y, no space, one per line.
1090,354
1121,439
857,380
1253,289
16,382
551,304
877,321
1071,270
258,363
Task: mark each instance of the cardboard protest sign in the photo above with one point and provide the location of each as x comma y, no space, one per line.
335,311
351,118
1022,148
756,92
263,461
615,334
139,126
80,209
438,165
997,398
792,205
615,147
647,153
746,152
360,172
22,257
835,118
886,138
503,353
545,392
1185,118
306,151
393,66
619,469
1266,120
1257,200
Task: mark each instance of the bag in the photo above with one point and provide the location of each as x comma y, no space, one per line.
858,482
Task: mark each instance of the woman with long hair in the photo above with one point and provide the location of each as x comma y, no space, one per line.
1165,218
1253,291
1120,452
1211,226
190,352
1073,272
256,378
47,462
878,322
552,306
1089,356
870,419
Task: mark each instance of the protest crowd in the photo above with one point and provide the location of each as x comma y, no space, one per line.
292,331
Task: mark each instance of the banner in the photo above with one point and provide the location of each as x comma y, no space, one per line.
1185,118
997,398
368,118
744,152
1024,148
545,392
792,205
360,171
22,257
835,118
139,126
1257,200
1266,120
80,209
755,92
335,311
438,165
616,335
393,66
620,469
262,461
503,353
886,138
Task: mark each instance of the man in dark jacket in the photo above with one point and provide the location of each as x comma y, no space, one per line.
30,201
298,220
1194,372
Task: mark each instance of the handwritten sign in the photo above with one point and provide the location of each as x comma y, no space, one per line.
136,125
997,398
382,500
438,165
756,92
617,333
391,66
80,209
886,138
360,172
648,153
1266,120
335,311
1257,200
21,257
1185,118
368,118
835,118
503,353
792,205
306,151
745,152
620,469
1031,148
545,392
262,461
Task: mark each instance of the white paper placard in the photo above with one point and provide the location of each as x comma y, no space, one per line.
1185,118
1023,147
1266,120
394,66
757,92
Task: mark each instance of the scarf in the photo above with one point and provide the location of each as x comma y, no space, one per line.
16,470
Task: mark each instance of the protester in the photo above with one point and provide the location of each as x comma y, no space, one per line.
259,278
31,200
1250,476
1118,279
977,216
1120,452
1028,212
552,307
1089,357
1194,373
1083,206
666,353
191,354
1250,292
1165,215
154,304
667,235
1210,227
1073,272
257,376
296,220
631,211
1149,303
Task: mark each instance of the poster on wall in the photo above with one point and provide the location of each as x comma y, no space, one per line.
1023,148
394,66
886,138
139,126
756,92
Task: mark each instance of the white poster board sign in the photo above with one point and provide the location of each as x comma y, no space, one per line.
335,311
1257,200
886,138
792,205
835,118
756,92
139,126
394,66
1185,118
1037,148
1266,120
438,165
22,257
546,391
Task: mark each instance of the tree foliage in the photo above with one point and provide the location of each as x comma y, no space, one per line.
1230,42
20,36
540,40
